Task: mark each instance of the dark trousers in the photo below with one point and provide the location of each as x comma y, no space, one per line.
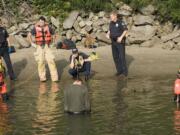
118,52
86,69
5,54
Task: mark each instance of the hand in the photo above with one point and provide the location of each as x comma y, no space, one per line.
107,36
33,45
119,39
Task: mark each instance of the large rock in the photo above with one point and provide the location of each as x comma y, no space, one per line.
82,24
102,37
140,34
69,34
155,41
24,26
148,10
169,45
101,14
25,9
68,23
143,20
177,40
89,23
14,42
55,22
76,27
124,12
88,28
22,41
171,36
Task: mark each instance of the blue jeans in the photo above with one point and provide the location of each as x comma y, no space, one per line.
86,69
118,52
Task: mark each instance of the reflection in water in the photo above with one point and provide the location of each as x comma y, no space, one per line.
177,119
4,125
47,109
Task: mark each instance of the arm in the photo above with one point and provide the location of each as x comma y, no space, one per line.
72,62
122,36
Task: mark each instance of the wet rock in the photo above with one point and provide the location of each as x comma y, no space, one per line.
55,22
148,10
171,36
102,37
143,20
68,23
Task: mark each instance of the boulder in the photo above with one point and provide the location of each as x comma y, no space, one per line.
101,36
81,24
55,22
148,10
12,29
124,12
91,15
76,27
69,34
155,41
140,34
177,40
24,26
169,45
126,7
177,46
142,20
105,28
25,9
101,14
88,28
14,42
83,31
68,23
100,43
89,23
171,36
22,41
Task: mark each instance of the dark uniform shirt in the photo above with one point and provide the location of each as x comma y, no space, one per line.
76,99
116,29
3,37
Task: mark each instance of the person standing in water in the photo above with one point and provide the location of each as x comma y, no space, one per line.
117,33
76,99
177,88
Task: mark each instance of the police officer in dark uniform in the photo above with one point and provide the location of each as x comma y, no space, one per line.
117,33
4,51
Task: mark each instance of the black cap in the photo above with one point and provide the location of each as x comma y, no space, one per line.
75,50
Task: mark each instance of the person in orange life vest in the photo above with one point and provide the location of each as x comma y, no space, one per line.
177,88
3,88
43,42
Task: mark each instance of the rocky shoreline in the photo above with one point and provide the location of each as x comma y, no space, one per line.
90,28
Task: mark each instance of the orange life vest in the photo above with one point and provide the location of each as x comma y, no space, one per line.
177,87
43,35
3,88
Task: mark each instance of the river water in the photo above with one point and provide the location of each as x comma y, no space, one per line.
142,106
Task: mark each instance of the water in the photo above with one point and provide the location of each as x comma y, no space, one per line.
135,107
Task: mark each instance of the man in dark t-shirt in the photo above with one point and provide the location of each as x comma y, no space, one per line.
4,43
79,62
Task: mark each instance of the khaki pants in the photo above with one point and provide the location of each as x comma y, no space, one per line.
43,54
